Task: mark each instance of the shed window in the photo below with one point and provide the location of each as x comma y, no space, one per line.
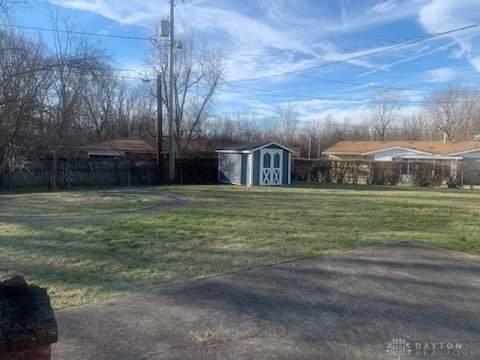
276,161
266,160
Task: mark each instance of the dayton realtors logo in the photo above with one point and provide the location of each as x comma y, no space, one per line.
401,347
398,347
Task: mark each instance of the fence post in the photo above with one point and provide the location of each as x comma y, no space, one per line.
53,171
69,174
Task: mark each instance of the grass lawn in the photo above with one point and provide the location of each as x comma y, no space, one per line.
227,228
70,204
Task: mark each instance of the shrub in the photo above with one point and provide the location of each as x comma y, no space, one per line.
423,174
429,174
384,173
311,170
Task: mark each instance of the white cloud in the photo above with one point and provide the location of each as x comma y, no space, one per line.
141,13
422,53
355,21
475,61
256,34
414,96
383,7
339,115
444,15
443,74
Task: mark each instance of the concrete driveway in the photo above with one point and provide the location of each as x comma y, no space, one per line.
394,301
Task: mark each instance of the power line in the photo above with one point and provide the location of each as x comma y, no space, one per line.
287,23
183,24
403,43
283,94
76,32
259,105
341,82
375,52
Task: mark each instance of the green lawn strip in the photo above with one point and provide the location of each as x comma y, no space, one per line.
229,228
72,204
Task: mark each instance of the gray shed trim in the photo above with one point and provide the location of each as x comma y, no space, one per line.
251,147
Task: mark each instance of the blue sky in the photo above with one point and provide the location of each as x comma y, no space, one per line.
326,56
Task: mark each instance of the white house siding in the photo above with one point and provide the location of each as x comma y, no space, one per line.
389,154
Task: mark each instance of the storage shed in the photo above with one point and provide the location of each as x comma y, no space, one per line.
265,163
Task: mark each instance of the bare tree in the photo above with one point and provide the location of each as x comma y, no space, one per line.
236,127
382,111
21,87
453,110
54,100
288,118
322,133
199,72
99,107
136,112
310,134
332,132
414,126
6,6
74,66
271,127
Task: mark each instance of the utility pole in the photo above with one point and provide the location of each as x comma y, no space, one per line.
171,106
160,177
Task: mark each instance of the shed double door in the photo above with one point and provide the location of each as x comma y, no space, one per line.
271,166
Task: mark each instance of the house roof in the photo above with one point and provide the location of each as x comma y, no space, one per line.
250,147
434,147
127,145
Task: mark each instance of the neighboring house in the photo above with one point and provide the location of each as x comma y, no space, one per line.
127,148
404,150
264,163
466,153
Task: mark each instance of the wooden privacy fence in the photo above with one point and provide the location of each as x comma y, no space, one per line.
197,170
80,173
106,172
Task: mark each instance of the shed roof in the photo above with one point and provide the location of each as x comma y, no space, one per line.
250,147
434,147
127,144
